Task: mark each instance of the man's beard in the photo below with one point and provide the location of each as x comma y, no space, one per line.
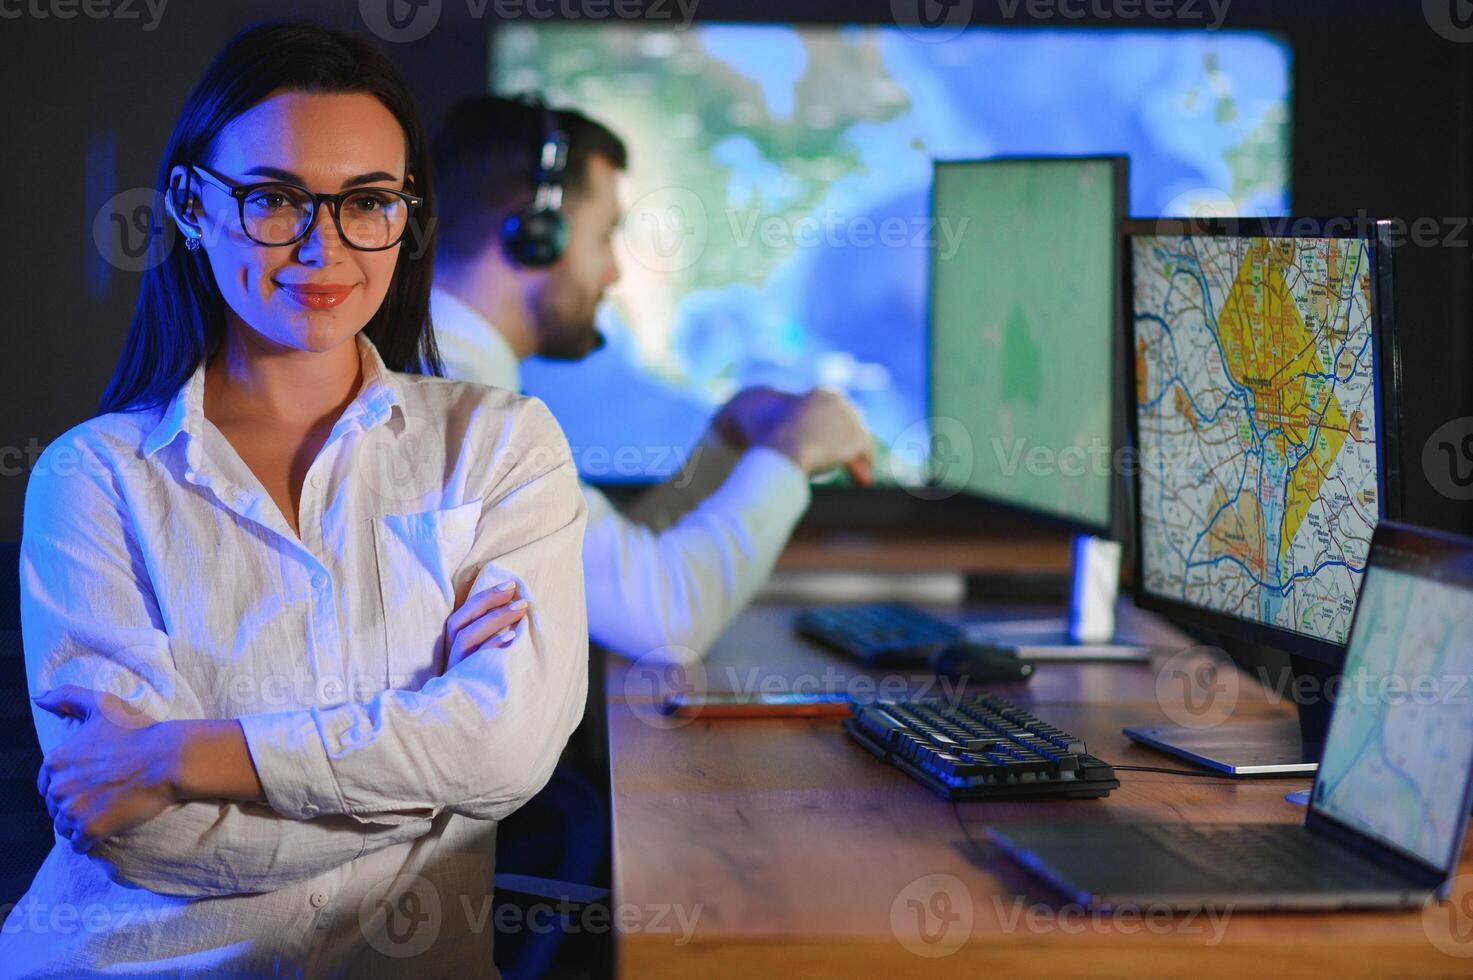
572,345
568,338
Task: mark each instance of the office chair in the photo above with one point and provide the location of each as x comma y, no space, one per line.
25,828
546,854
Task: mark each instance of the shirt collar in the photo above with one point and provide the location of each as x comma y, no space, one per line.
377,396
471,348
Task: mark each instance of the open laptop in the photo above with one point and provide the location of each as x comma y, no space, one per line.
1390,802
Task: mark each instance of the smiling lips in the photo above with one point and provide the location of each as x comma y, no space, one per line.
316,296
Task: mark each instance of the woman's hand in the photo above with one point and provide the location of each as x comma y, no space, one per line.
116,771
485,619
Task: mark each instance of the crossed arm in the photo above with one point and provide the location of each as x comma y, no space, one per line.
230,806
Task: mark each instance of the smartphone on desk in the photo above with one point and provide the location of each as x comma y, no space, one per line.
718,705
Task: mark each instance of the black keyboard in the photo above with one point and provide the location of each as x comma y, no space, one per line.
880,634
979,747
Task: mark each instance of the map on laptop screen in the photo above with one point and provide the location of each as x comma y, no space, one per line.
1401,737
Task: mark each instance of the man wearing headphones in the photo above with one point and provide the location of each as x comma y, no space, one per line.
528,208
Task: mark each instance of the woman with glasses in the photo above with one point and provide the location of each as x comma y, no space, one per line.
302,620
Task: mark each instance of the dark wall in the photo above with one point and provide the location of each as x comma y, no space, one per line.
89,106
1382,125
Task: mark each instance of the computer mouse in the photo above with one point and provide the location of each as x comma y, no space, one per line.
979,663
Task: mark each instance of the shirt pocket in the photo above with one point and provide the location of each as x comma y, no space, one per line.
422,570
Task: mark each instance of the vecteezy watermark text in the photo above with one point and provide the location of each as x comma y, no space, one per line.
1073,919
834,230
632,462
147,12
402,21
940,20
1206,13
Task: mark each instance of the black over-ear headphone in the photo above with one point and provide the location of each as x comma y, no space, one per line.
537,235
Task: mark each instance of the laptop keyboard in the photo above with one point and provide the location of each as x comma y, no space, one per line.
1270,856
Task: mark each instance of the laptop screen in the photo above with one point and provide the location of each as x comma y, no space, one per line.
1399,752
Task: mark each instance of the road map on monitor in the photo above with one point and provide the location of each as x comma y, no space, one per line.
1256,417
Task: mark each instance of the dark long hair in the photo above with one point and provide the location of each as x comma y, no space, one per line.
179,320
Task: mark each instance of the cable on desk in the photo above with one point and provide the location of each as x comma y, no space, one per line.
1171,772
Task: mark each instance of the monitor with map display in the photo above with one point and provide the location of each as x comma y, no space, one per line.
1024,321
1401,735
1264,418
778,227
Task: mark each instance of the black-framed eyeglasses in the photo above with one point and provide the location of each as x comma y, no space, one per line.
275,212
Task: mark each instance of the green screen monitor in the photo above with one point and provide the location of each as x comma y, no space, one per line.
1025,334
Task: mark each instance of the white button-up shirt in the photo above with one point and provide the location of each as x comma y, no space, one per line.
665,577
155,566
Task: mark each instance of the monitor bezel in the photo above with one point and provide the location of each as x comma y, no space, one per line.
1378,236
1398,547
1112,526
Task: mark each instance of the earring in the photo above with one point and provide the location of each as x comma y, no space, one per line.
191,242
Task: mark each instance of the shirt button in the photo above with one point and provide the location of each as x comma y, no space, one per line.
310,809
319,580
316,480
318,899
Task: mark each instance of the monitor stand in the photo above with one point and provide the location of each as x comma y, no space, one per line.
1095,590
1286,747
1089,631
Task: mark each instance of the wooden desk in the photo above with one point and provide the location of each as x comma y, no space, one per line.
790,851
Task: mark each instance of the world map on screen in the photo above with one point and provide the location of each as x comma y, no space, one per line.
778,226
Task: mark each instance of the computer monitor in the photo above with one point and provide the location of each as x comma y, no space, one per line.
1264,420
1024,329
777,226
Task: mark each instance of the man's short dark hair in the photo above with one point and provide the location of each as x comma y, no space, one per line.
485,160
